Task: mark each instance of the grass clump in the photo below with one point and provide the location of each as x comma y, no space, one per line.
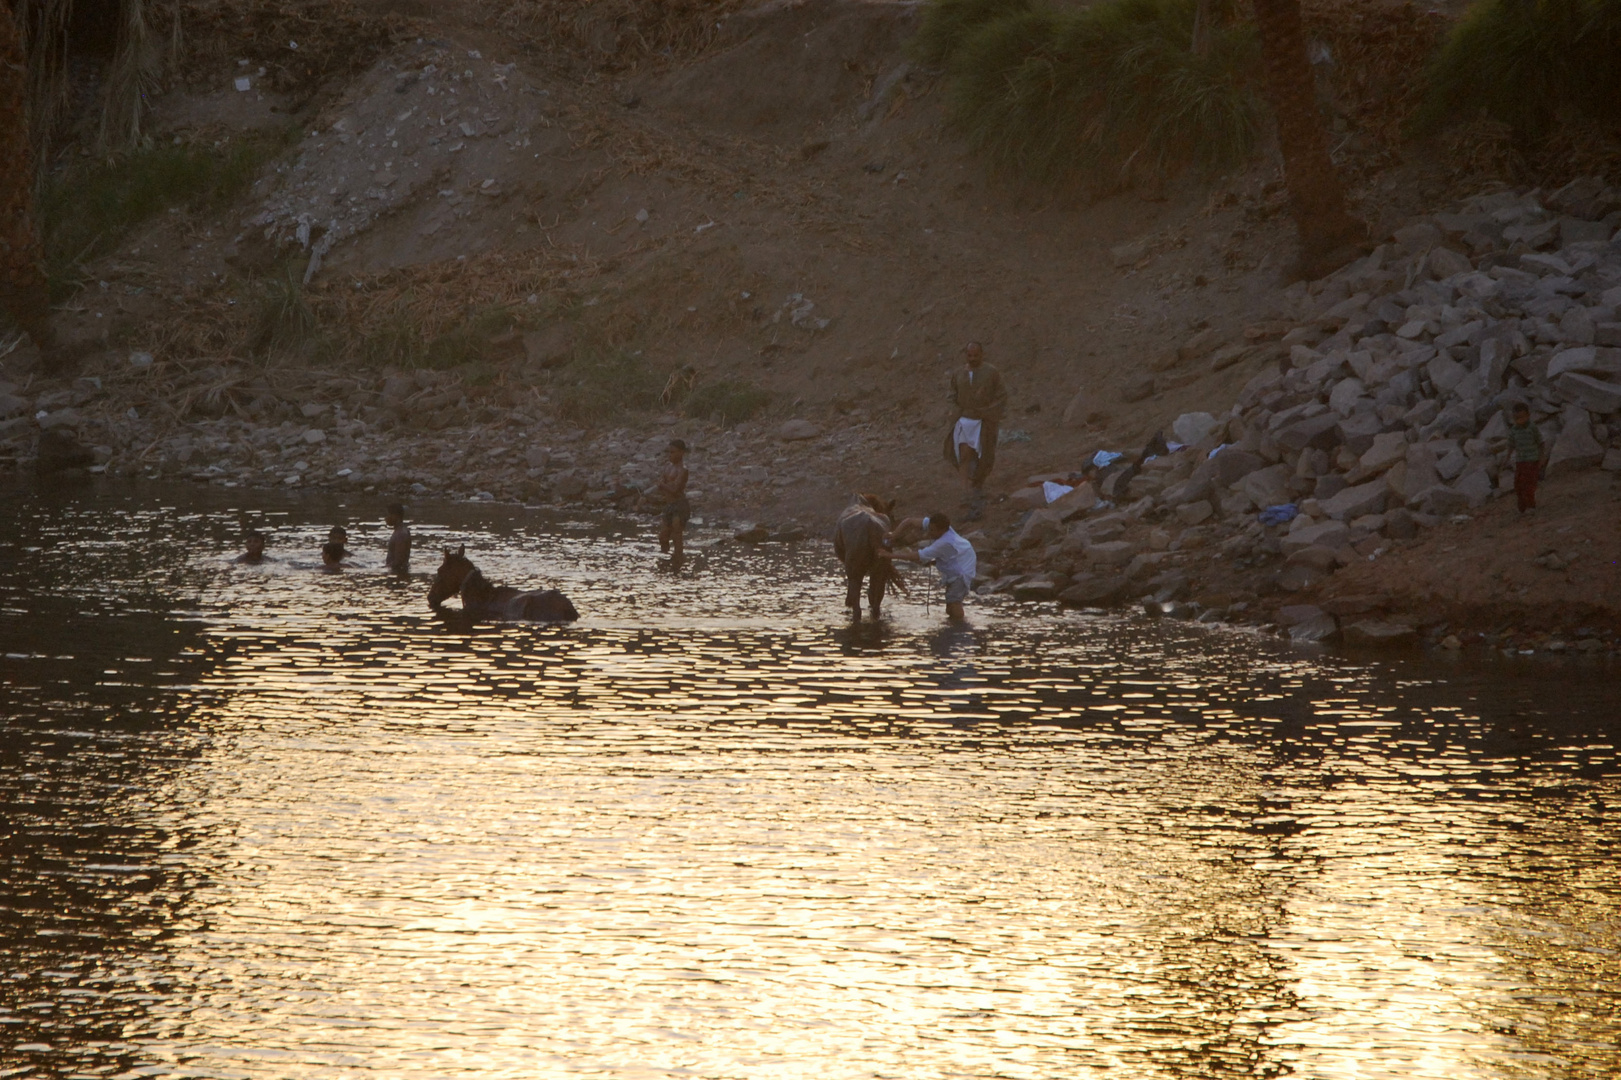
283,323
949,23
87,211
599,384
726,402
1111,95
399,340
1529,63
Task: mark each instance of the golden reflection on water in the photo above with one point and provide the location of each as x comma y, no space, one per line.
313,831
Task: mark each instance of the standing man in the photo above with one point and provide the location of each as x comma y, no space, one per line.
671,498
980,400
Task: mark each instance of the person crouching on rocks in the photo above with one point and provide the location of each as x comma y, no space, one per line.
255,553
1530,457
333,551
671,497
950,553
980,400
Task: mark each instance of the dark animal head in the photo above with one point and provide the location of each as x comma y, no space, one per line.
452,572
878,504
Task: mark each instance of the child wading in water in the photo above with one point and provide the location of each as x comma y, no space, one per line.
399,544
1530,457
256,549
671,497
952,555
333,552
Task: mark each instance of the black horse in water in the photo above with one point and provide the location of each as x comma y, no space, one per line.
483,600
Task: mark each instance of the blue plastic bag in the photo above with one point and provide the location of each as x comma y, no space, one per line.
1281,514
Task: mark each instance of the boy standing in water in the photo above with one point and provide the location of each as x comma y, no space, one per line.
333,551
671,496
399,544
952,555
256,549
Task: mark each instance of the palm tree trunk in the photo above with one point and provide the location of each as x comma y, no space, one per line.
23,292
1204,17
1329,235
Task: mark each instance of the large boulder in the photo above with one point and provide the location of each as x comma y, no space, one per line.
61,420
1038,587
572,485
1420,474
1576,445
1040,527
1346,393
1318,627
1194,513
1029,497
1586,360
1400,525
1191,428
1329,534
1110,553
1320,432
1231,466
1594,395
1095,590
1388,448
1378,633
1457,419
1358,501
1195,488
1476,486
1358,431
1440,501
1266,487
1329,485
1075,502
1496,353
798,431
1445,373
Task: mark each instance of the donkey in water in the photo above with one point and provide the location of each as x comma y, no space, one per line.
857,539
483,600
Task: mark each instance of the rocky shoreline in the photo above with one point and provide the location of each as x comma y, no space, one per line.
1373,423
1376,419
395,435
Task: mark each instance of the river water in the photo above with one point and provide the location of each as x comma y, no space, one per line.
270,822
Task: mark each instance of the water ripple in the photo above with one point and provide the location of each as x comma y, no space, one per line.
274,823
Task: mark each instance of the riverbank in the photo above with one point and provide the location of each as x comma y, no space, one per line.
468,275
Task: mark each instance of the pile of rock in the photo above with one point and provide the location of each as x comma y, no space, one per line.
1383,412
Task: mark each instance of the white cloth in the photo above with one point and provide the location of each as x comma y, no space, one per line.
1052,492
966,433
952,555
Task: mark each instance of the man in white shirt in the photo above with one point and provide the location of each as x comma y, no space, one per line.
951,555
